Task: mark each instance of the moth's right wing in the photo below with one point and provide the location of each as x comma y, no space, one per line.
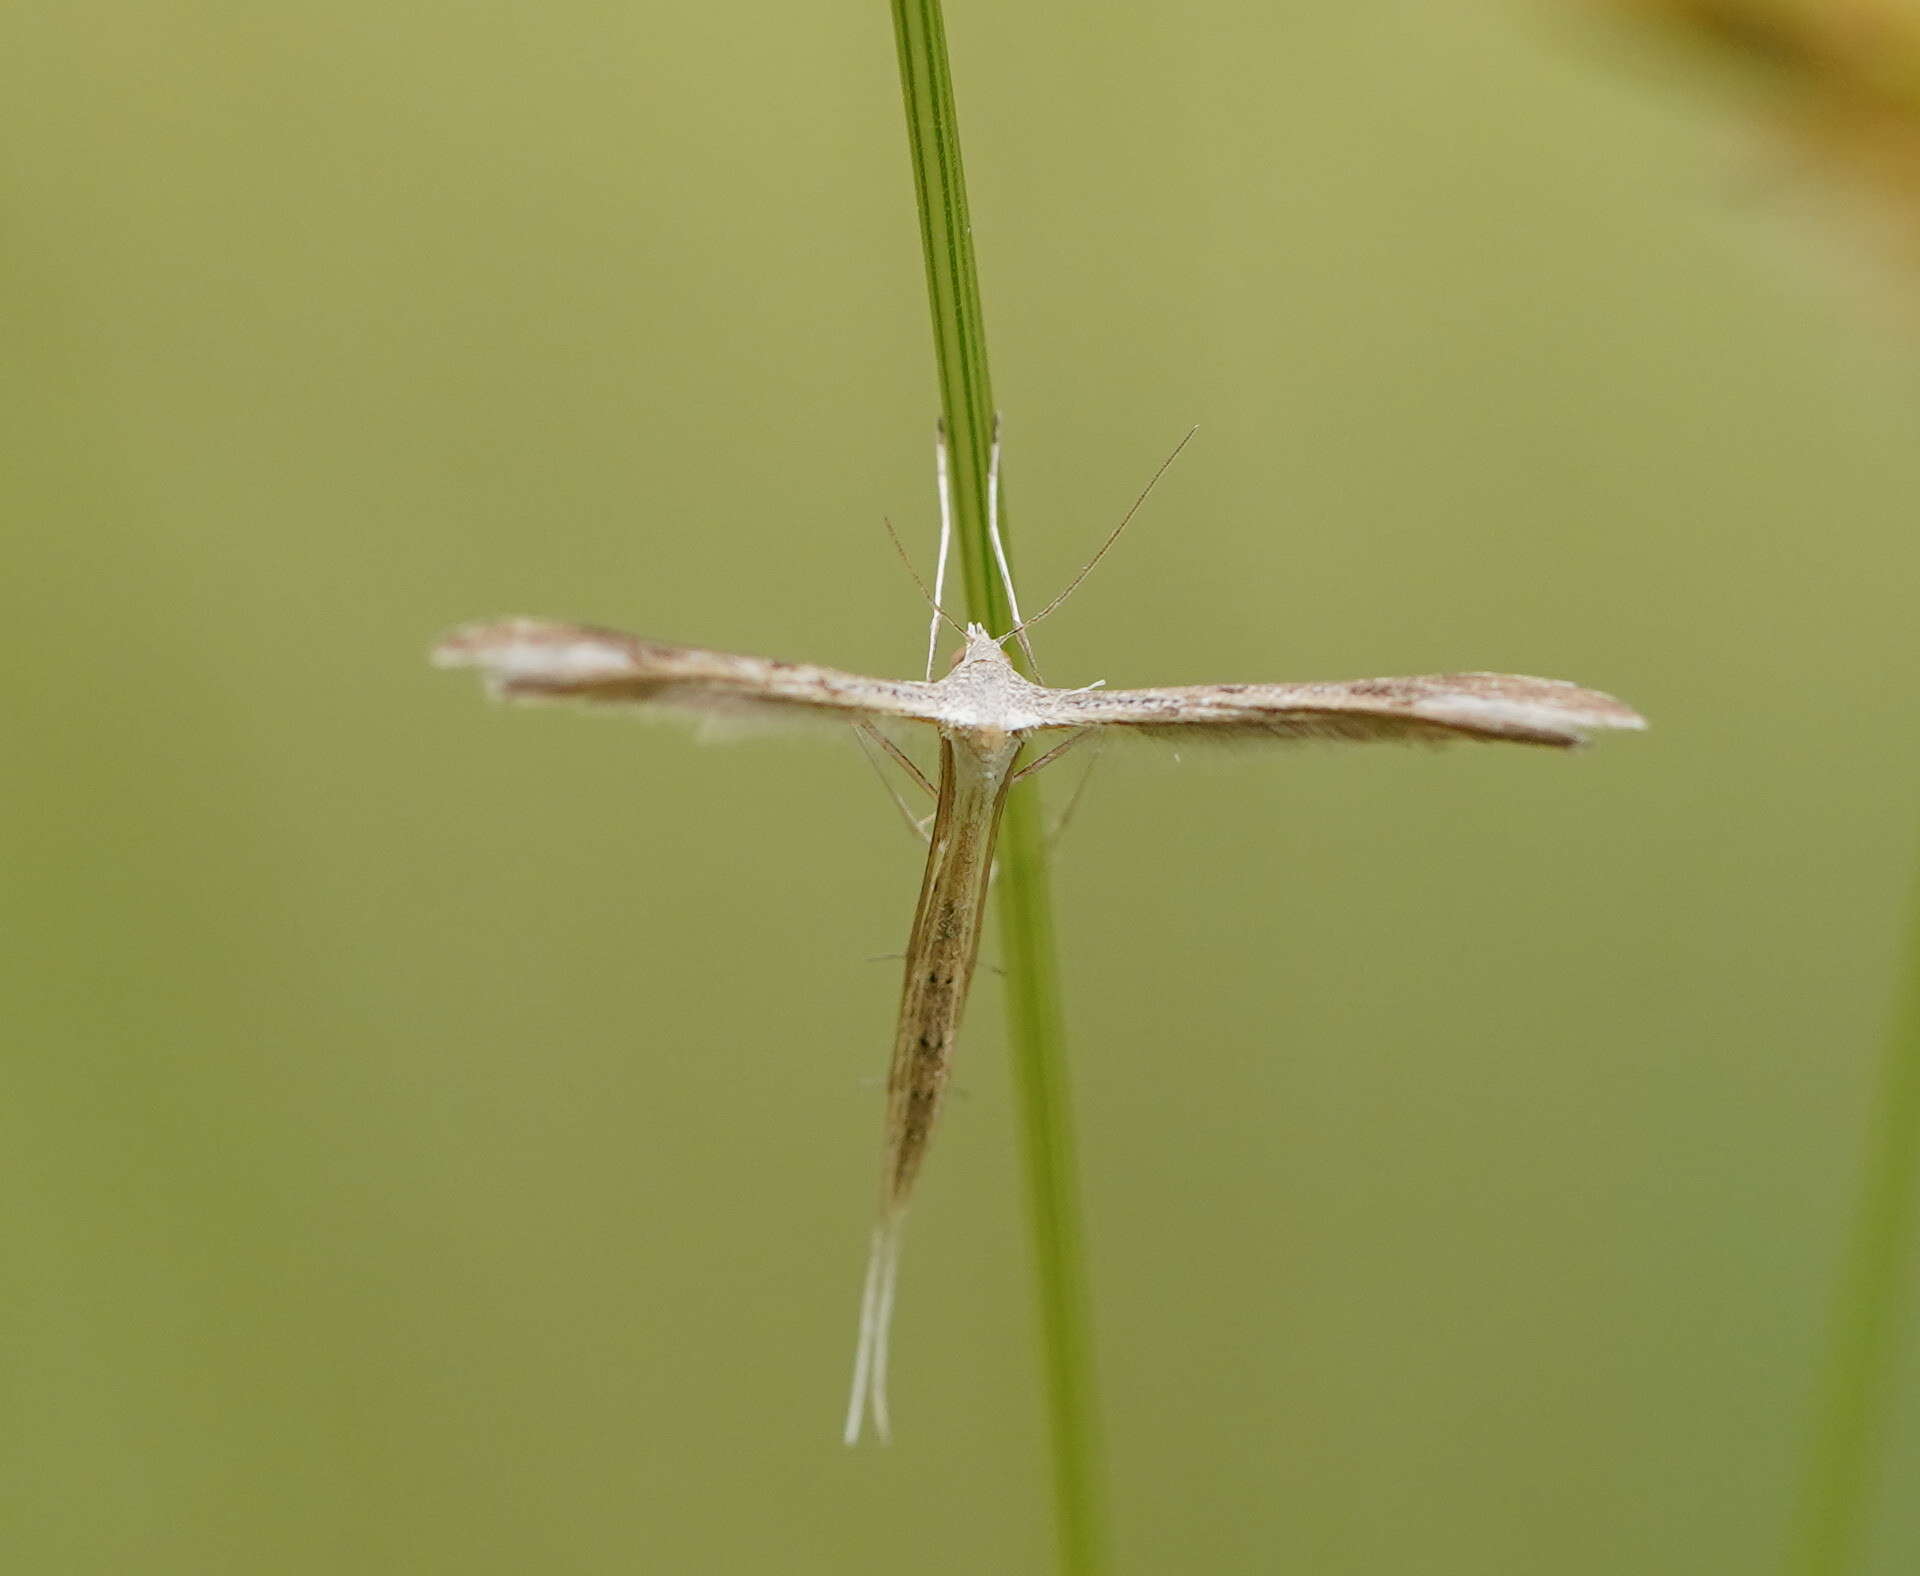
1431,708
532,659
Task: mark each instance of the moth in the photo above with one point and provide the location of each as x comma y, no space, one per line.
985,713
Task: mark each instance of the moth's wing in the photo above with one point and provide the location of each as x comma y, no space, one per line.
532,659
1432,708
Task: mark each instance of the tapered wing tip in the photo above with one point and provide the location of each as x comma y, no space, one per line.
1561,712
1601,712
477,644
1624,720
535,654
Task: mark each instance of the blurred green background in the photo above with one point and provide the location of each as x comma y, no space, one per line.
441,1139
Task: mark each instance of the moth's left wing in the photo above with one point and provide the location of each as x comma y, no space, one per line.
532,659
1433,707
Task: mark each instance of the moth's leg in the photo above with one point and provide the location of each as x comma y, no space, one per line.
901,759
1000,547
866,735
1079,792
945,485
1073,803
1079,735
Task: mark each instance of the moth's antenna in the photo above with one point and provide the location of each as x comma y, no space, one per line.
1074,584
946,539
938,611
1000,547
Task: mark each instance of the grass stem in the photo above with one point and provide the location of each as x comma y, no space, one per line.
1036,1031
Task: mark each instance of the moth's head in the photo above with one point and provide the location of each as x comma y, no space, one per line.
980,647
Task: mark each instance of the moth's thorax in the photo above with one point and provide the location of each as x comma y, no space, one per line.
983,693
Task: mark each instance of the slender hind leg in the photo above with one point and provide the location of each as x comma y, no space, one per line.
866,736
1080,788
1059,829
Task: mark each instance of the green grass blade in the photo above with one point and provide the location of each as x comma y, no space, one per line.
1035,1025
1035,1036
1869,1312
953,291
